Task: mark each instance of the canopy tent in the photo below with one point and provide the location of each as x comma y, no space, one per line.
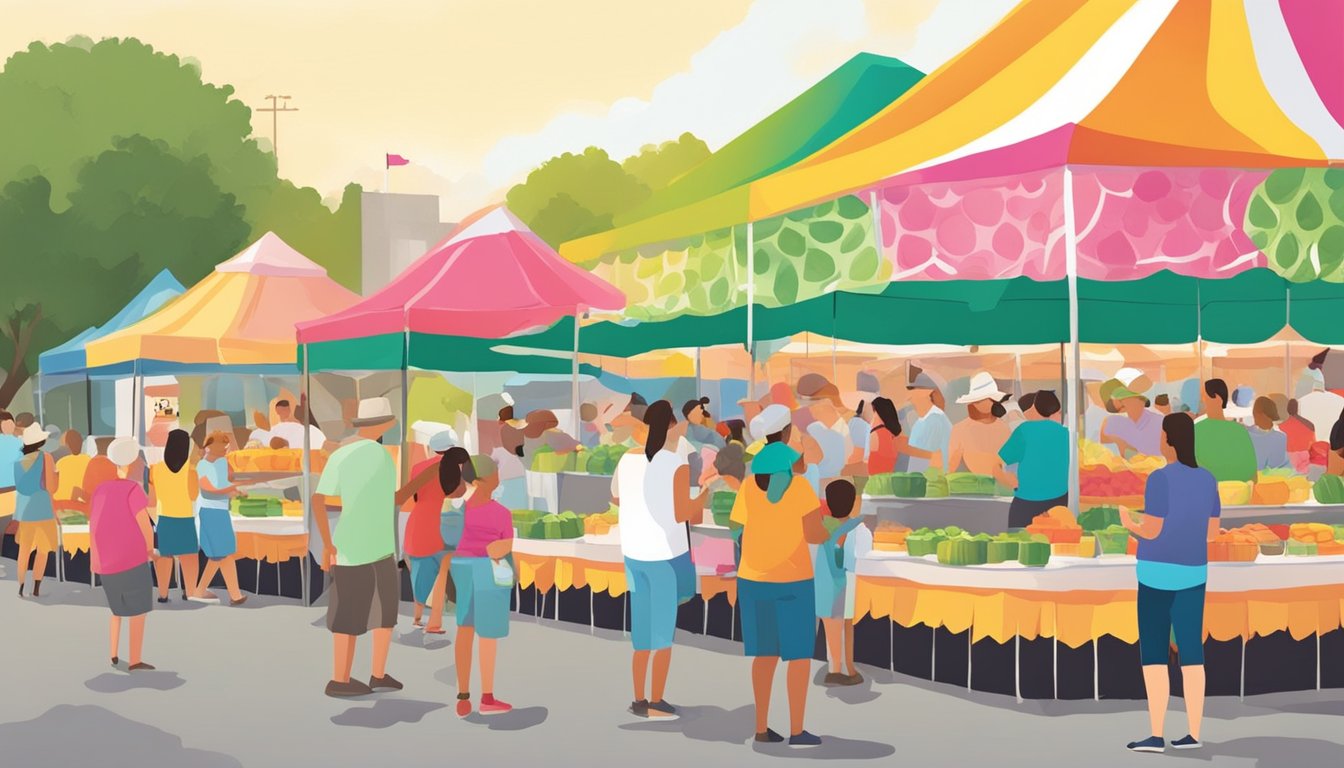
831,108
69,357
240,316
490,279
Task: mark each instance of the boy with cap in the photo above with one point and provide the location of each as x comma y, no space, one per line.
1135,427
931,436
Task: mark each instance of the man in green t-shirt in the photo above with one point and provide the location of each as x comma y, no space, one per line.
1221,446
361,554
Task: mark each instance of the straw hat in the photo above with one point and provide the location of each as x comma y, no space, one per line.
34,434
983,387
373,412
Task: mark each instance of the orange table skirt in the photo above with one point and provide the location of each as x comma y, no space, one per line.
254,546
1076,618
563,573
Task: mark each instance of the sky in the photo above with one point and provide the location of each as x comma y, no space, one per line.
476,93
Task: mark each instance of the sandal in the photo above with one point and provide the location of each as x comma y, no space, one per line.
435,631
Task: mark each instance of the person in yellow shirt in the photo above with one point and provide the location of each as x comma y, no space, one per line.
70,472
172,497
780,516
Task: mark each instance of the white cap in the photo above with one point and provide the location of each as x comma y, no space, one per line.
442,440
773,418
123,451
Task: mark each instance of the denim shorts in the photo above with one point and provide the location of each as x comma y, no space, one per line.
1164,613
424,572
653,602
778,619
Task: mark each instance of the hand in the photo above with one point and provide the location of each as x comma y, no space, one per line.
936,460
328,556
1126,518
1009,481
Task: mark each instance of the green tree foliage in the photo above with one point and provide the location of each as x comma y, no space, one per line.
119,161
573,195
659,165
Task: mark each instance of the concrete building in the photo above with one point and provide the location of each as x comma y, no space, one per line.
396,230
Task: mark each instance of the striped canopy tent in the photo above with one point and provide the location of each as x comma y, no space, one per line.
240,317
69,357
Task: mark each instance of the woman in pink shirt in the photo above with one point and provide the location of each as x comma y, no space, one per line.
122,545
482,600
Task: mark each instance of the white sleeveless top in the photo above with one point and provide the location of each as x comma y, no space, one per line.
648,524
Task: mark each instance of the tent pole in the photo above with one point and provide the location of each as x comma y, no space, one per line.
751,307
307,483
88,399
1074,358
1063,376
403,459
37,396
699,378
574,381
1199,332
1287,345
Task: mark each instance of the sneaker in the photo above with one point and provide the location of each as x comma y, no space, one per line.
661,710
463,704
209,598
384,683
1188,742
769,737
1150,744
347,689
639,708
141,667
162,600
804,739
492,706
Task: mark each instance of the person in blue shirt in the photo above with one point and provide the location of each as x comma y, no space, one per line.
931,435
1040,449
1181,515
11,451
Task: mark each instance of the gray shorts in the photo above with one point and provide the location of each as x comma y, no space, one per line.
364,597
129,593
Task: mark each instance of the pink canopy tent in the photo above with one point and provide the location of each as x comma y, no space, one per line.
491,278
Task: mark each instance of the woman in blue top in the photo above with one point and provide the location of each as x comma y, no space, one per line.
34,479
1181,511
216,525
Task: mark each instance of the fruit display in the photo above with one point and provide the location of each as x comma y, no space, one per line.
1329,489
1266,540
1057,525
600,524
546,460
1234,493
1279,489
1104,483
256,506
1099,518
1035,554
925,541
565,525
291,508
964,550
1235,546
600,460
907,485
522,517
1086,546
1002,551
1295,548
970,484
890,536
935,484
1097,455
1318,533
721,506
1112,540
253,460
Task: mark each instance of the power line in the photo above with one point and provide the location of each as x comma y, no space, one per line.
275,109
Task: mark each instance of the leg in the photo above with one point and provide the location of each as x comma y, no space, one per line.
343,657
189,572
662,662
114,636
230,570
382,641
1157,684
439,600
489,648
639,670
1187,619
40,568
762,677
419,612
25,552
202,586
833,629
163,574
849,647
1193,678
137,638
797,685
462,657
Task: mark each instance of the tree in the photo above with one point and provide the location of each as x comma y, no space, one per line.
658,165
563,219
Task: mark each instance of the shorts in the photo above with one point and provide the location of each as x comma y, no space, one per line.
130,592
39,534
8,500
176,536
364,597
653,603
482,604
424,572
1164,613
217,539
778,619
1022,511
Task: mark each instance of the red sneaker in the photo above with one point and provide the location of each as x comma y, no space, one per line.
463,707
492,706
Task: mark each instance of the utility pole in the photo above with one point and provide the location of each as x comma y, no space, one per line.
275,109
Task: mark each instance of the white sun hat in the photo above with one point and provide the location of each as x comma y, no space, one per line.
983,387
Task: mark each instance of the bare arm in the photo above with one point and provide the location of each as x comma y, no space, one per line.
814,530
324,530
496,550
142,517
1148,527
1214,528
419,481
687,509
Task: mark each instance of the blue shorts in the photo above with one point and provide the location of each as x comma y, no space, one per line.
176,536
778,619
481,604
217,539
424,571
656,587
1164,613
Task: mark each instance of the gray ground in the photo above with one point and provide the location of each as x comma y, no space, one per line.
244,687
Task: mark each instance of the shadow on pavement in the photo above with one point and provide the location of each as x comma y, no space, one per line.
387,713
114,682
832,748
447,676
848,694
518,720
100,737
1269,752
419,639
707,723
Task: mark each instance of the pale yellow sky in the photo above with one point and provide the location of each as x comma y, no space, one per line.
476,92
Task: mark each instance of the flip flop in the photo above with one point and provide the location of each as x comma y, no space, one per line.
439,631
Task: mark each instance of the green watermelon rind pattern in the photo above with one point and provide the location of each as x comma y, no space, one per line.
1296,217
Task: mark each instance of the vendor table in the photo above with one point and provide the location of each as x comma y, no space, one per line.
583,493
988,514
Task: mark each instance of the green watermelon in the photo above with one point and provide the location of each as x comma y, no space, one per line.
1001,552
970,484
878,485
923,542
1033,553
1329,489
935,484
1098,518
962,551
1112,540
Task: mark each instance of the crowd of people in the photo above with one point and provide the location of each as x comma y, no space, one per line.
797,461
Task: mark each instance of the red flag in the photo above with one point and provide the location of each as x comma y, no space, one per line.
397,160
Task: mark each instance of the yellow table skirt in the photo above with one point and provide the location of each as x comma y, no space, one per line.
1077,618
547,573
256,546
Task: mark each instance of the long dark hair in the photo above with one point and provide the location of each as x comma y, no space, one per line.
1180,431
450,468
886,413
177,450
659,419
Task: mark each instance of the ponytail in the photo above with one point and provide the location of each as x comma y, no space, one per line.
659,419
450,469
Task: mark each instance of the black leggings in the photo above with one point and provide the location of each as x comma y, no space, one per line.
1021,511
